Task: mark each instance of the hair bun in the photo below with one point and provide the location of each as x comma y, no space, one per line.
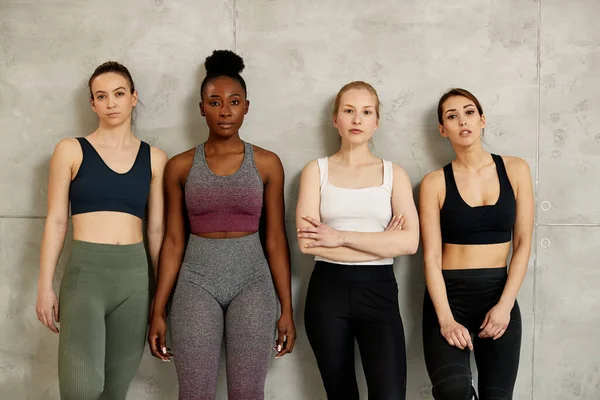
223,62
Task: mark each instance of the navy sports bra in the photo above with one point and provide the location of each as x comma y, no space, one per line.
462,224
97,187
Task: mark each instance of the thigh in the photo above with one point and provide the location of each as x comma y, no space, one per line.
196,324
448,366
82,334
498,360
330,334
380,337
250,322
125,341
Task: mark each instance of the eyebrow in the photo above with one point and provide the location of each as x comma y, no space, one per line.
102,91
351,106
454,109
217,96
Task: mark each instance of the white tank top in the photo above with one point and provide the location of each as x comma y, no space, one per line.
358,210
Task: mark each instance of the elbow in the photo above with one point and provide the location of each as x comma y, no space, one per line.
404,248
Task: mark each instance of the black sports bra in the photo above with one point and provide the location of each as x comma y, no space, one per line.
97,187
462,224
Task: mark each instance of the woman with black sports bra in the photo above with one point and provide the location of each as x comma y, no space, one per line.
469,211
110,178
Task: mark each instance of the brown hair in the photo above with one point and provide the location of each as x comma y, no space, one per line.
457,92
356,85
115,68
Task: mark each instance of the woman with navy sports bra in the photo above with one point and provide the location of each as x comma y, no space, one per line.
470,210
109,177
355,214
217,192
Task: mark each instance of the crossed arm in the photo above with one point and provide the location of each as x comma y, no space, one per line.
316,238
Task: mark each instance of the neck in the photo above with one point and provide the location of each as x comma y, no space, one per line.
350,154
472,158
221,144
116,136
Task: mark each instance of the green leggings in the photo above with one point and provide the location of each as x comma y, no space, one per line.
104,299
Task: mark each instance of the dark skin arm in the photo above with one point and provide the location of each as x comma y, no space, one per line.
277,249
172,250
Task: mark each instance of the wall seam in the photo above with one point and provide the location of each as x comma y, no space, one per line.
537,192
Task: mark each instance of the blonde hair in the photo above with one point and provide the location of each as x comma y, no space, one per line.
356,85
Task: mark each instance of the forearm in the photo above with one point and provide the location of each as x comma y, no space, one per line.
436,286
53,242
383,244
155,239
171,258
516,275
341,254
278,256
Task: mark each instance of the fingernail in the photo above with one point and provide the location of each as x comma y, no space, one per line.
164,350
279,348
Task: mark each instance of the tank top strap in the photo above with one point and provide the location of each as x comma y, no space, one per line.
249,161
388,175
505,186
450,182
323,172
143,159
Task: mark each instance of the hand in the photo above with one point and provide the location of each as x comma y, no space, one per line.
322,234
287,335
395,223
156,338
495,322
46,308
456,334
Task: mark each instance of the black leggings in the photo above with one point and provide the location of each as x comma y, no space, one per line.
471,294
345,302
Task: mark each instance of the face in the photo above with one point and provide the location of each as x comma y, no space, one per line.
224,105
462,122
356,118
112,99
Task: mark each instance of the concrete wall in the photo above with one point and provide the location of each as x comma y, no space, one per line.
533,64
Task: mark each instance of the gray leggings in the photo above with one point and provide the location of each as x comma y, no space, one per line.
224,287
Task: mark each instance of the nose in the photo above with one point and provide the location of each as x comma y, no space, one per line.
111,102
225,111
357,119
462,122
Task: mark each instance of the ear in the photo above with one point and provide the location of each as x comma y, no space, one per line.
247,107
335,121
135,97
92,103
482,121
442,130
201,105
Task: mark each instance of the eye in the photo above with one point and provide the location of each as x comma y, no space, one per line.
451,116
469,112
119,94
214,103
235,102
368,112
100,97
348,111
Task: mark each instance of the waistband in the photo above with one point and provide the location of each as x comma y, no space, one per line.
106,248
475,273
374,272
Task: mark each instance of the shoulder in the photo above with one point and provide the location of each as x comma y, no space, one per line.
68,150
158,156
433,179
181,163
515,164
399,172
265,156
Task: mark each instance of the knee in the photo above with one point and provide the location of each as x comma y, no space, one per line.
81,391
454,388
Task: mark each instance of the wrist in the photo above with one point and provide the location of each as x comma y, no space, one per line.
344,239
445,319
44,286
506,303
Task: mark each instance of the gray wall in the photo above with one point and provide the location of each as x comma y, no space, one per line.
533,64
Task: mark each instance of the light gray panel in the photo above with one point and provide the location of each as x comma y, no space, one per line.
49,50
299,54
567,354
570,104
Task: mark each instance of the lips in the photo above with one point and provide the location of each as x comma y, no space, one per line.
112,115
356,131
225,125
465,132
